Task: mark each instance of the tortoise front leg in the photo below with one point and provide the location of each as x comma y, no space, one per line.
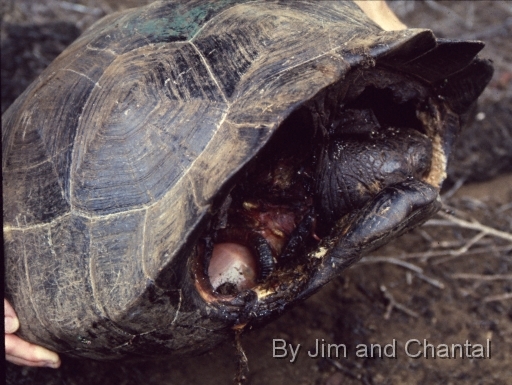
396,209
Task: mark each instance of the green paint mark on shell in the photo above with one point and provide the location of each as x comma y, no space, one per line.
180,22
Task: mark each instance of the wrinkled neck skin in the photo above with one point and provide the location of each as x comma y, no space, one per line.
351,169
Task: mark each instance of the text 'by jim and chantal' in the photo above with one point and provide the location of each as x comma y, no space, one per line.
412,348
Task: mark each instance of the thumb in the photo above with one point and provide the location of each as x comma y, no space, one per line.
11,323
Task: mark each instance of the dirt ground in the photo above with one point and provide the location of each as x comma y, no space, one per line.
448,282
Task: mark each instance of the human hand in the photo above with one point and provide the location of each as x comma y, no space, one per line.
21,352
380,13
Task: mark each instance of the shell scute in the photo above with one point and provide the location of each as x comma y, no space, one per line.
133,142
33,196
117,283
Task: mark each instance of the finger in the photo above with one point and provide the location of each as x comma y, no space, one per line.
22,362
21,352
11,323
381,14
8,310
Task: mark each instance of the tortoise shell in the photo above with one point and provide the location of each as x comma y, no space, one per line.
118,155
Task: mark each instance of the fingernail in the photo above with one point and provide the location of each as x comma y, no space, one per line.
10,324
53,365
44,355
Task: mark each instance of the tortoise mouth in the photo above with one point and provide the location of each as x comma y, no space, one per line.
265,247
259,259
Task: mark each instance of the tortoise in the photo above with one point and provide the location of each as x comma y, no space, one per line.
190,168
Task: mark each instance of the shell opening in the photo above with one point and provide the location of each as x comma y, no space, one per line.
265,235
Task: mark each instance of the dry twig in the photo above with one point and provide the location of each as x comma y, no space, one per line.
498,297
425,255
451,220
482,277
394,304
243,362
418,270
458,184
393,261
463,249
343,369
